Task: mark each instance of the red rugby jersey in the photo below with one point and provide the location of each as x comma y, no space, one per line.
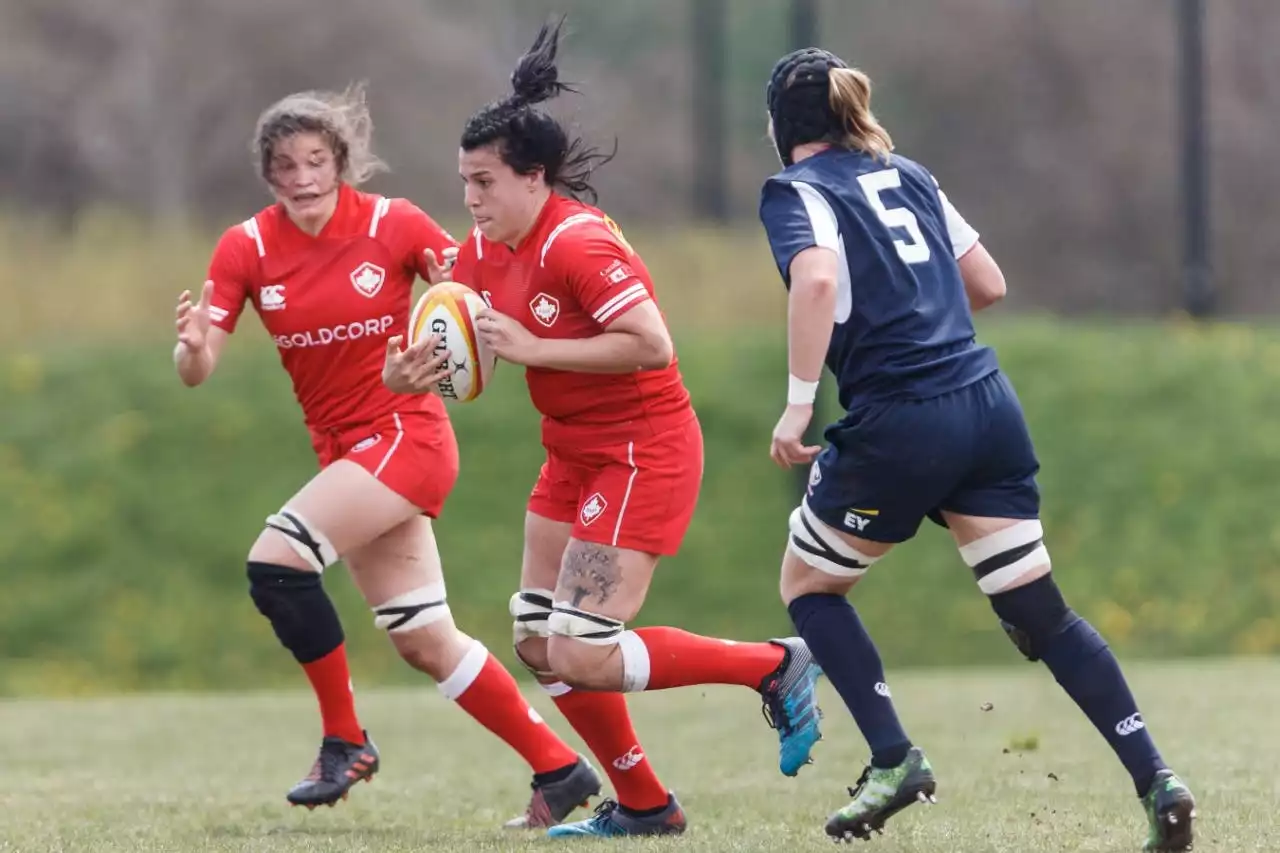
570,277
331,301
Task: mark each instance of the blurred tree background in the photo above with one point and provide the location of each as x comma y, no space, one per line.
127,502
1053,124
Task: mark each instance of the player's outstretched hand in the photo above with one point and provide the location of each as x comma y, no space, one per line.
414,369
193,318
442,269
788,446
506,337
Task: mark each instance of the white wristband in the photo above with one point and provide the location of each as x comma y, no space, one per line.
800,392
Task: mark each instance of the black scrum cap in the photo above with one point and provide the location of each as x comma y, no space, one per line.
798,99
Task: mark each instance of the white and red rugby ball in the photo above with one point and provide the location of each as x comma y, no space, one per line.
449,310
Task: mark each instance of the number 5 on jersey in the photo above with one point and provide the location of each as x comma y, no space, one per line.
917,250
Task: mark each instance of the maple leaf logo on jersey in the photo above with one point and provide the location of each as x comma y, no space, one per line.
593,508
545,309
368,278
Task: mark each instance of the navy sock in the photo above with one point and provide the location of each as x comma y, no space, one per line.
1083,664
835,635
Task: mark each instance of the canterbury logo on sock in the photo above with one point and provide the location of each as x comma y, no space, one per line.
1129,725
633,757
882,689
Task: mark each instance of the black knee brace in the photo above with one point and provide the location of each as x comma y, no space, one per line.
300,611
1033,614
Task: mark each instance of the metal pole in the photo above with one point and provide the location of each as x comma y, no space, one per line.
804,23
804,33
711,173
1198,288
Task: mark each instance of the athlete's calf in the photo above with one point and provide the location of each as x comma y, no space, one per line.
1013,568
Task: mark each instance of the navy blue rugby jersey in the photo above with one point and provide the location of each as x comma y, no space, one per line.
903,329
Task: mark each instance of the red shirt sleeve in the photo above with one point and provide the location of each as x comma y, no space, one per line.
231,271
598,269
417,232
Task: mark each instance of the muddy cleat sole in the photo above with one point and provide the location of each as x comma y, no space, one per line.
552,802
1171,811
882,793
339,766
613,821
791,705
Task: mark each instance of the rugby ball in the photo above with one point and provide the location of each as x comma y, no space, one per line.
449,310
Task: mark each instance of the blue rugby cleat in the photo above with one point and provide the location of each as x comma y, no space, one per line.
613,821
791,704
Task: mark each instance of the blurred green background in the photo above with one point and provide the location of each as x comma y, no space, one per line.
128,502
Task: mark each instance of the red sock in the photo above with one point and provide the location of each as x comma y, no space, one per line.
679,659
484,688
331,680
601,719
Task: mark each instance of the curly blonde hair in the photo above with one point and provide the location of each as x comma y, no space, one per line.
341,118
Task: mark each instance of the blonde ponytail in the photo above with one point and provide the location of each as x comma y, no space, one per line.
849,95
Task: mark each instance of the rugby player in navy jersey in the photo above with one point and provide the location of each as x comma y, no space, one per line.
883,276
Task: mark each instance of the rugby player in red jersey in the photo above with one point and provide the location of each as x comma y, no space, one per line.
330,271
572,301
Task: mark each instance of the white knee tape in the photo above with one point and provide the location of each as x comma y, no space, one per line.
310,542
820,546
531,609
635,662
1006,555
569,621
555,689
413,610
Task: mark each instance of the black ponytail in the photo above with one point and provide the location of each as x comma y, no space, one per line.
536,78
527,138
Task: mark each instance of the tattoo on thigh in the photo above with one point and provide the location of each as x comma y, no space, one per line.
590,571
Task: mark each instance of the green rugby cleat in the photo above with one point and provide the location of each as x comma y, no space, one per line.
1170,812
880,794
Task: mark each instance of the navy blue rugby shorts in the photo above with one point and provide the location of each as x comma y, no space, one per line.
889,465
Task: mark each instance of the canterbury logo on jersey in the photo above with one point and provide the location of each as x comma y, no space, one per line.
272,297
345,332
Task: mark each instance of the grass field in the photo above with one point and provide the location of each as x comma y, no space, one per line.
208,773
